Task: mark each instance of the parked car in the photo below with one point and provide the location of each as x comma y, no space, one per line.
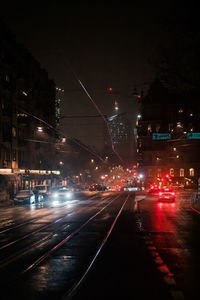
42,191
24,197
167,194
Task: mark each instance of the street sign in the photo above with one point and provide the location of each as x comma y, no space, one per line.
193,135
27,178
161,136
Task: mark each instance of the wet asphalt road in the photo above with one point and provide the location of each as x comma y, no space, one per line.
153,250
153,253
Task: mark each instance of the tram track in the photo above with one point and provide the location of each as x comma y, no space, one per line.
37,262
54,221
29,221
22,252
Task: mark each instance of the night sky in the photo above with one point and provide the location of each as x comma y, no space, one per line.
104,43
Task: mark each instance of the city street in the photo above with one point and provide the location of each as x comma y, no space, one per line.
99,151
101,244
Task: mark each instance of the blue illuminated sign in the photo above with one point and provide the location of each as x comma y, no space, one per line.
193,135
161,136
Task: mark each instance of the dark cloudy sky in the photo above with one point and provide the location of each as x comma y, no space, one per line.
103,43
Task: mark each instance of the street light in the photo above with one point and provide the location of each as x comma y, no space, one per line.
39,129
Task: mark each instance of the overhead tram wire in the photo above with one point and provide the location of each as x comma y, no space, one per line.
77,117
105,120
99,111
67,137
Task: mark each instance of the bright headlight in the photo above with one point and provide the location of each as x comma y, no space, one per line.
55,202
68,195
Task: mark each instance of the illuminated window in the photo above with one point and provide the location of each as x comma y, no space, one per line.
191,170
179,125
181,172
24,93
171,172
14,132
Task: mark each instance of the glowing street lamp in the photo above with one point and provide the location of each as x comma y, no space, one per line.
39,129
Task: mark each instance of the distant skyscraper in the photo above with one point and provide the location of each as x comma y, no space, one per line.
122,136
59,99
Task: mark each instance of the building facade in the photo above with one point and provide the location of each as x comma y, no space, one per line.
168,132
27,109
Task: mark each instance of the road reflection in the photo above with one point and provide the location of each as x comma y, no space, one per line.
164,214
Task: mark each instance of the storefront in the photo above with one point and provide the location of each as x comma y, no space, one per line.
9,185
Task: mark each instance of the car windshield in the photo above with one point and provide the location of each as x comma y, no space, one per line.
23,193
64,189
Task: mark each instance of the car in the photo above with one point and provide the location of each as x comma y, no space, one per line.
117,187
42,191
24,197
61,194
155,189
97,187
167,194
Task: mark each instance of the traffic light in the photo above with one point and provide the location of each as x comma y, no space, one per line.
112,91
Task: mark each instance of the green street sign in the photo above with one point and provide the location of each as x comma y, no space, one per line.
193,135
161,136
